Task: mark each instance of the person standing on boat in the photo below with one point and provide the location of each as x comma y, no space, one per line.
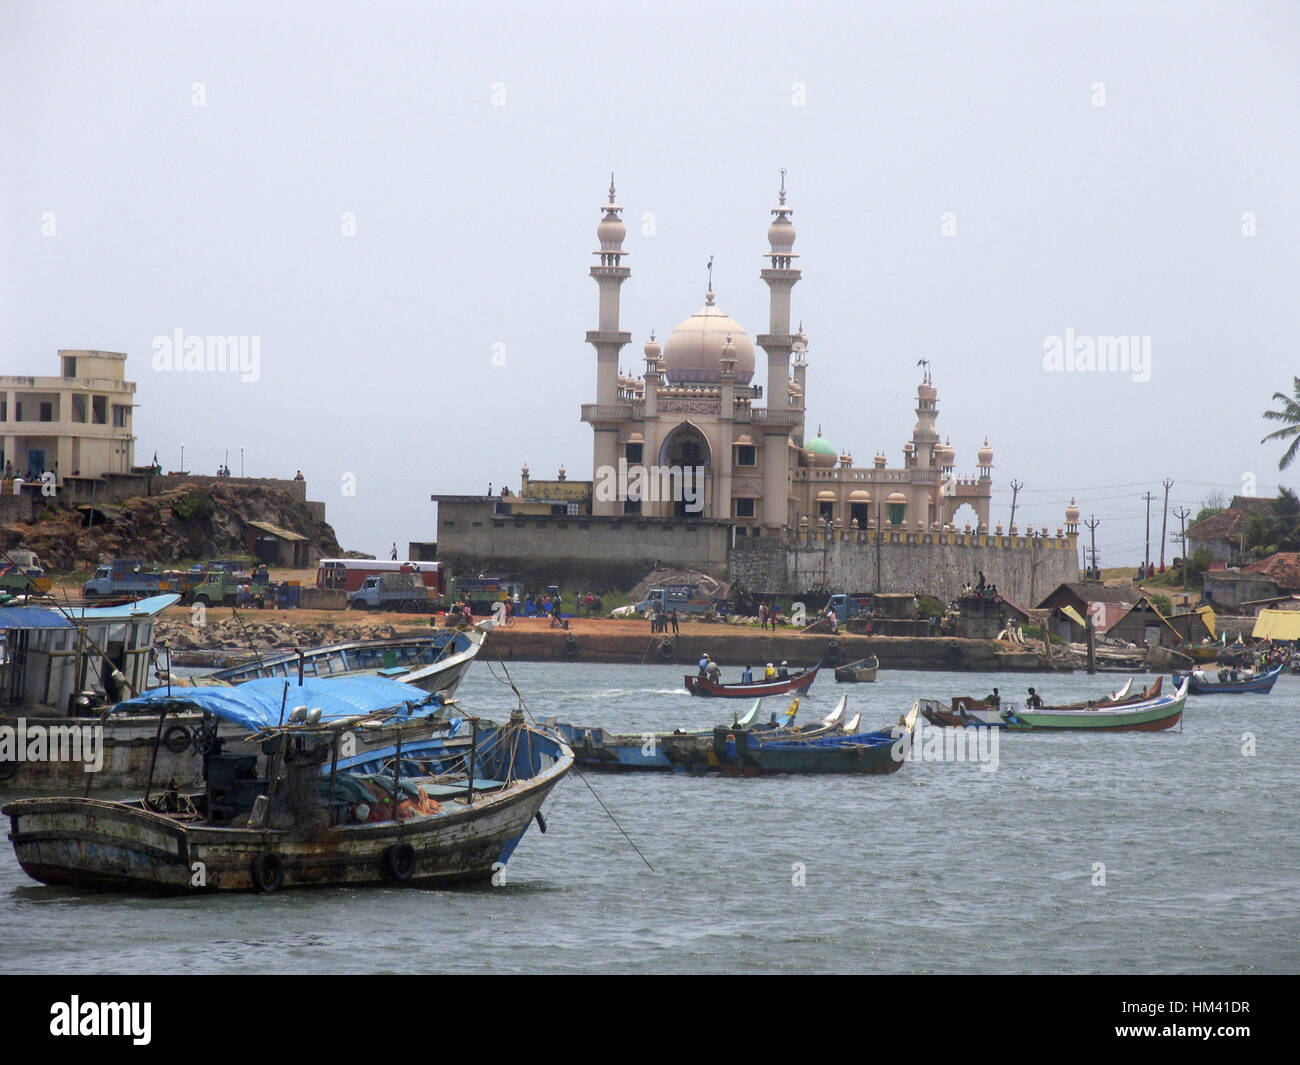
715,674
704,663
1034,702
747,676
770,672
783,673
995,699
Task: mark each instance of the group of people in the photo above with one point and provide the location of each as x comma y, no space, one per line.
660,622
769,615
709,669
1033,701
982,590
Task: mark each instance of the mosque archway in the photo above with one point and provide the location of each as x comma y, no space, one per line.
686,455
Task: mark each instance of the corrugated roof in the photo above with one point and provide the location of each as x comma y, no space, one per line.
275,530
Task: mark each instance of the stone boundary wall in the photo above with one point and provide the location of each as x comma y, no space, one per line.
1025,569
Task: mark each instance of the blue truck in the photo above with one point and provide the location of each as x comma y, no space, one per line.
125,577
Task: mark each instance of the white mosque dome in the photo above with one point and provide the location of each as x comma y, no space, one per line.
693,350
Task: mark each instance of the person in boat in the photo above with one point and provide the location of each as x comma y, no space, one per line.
1035,701
704,664
747,676
994,699
783,673
715,674
769,673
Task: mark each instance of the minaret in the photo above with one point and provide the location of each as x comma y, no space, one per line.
606,413
726,426
781,277
650,449
801,377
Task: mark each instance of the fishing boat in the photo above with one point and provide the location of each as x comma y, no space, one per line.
862,671
796,682
433,662
966,711
437,811
1201,683
1149,716
683,750
742,753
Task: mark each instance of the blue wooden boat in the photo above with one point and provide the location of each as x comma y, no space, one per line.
300,826
741,753
684,750
1202,684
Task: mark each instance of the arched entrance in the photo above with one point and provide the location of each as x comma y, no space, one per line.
687,458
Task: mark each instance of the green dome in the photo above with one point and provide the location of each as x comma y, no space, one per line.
819,445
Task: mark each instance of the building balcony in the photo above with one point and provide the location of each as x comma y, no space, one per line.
604,413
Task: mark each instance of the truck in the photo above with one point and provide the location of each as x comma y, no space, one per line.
393,591
485,592
347,574
852,606
125,577
21,573
684,598
220,587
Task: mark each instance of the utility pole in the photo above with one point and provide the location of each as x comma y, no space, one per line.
1147,563
1015,491
1163,520
1181,514
1092,524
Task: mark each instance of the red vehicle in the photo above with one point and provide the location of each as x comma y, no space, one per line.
348,574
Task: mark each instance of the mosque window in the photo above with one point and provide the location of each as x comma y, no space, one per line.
826,509
744,508
746,455
896,513
635,452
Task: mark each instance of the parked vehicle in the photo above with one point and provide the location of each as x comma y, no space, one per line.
851,606
684,598
348,574
127,577
393,591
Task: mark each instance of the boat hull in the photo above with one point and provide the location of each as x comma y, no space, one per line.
88,843
1164,715
742,754
697,685
1260,685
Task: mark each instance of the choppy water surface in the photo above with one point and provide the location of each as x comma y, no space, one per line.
937,868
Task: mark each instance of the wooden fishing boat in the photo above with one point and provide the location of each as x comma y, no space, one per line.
862,671
797,682
1200,683
966,711
458,820
1151,716
742,753
433,661
683,750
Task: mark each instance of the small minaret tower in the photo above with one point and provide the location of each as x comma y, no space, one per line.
781,277
606,413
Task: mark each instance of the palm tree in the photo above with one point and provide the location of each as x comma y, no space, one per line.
1290,413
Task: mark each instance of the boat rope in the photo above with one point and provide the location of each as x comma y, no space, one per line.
523,705
251,646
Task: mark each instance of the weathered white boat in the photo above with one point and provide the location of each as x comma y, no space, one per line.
60,670
433,662
436,811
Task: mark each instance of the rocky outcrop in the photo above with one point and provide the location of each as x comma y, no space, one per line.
191,522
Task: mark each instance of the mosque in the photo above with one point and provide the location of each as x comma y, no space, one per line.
698,412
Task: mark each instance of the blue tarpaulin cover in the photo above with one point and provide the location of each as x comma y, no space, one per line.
256,704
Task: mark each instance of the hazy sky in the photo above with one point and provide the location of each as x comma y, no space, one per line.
172,166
